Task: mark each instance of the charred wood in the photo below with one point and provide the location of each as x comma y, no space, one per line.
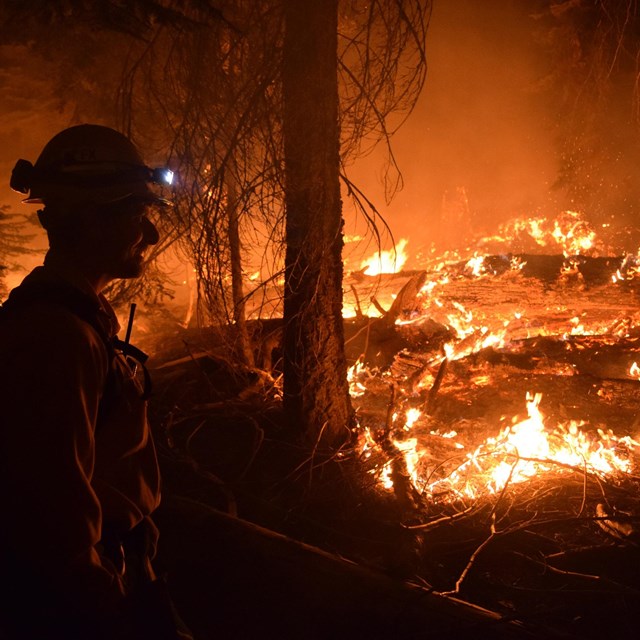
261,583
433,392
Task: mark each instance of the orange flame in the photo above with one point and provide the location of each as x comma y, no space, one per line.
390,261
527,447
518,453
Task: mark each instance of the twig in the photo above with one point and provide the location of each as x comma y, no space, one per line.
434,523
584,576
584,488
472,561
316,444
504,489
258,440
378,306
310,459
232,505
359,314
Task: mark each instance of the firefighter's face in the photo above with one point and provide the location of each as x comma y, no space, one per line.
126,232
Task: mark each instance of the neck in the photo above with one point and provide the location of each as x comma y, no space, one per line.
80,269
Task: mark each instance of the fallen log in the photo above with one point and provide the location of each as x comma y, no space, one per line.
406,298
233,579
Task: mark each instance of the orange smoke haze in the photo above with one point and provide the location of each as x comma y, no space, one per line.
478,147
489,141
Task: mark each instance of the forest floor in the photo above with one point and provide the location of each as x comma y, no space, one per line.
262,537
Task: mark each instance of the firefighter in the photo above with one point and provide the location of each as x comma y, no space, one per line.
78,470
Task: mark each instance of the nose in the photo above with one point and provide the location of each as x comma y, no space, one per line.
150,234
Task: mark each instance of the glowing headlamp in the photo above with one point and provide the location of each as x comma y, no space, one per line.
162,176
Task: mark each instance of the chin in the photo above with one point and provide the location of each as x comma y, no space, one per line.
130,269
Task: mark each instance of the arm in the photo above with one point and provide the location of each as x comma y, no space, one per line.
51,380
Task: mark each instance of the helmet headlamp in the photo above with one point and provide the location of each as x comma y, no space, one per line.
162,176
22,177
89,164
87,176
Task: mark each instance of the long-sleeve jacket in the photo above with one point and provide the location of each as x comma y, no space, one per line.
76,453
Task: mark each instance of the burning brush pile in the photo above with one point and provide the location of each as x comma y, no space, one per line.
498,401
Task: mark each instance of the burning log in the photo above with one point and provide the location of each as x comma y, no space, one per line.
382,338
406,299
548,268
404,490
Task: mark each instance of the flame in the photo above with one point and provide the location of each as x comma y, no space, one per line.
518,453
390,261
476,265
355,375
570,233
527,447
628,270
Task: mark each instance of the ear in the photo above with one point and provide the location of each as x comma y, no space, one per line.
93,227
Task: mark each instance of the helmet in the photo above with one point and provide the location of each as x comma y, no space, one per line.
87,164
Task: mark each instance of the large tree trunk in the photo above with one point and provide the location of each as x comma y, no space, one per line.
316,396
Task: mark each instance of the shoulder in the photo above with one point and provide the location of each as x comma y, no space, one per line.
47,329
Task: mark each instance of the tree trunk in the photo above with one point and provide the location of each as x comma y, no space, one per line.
316,396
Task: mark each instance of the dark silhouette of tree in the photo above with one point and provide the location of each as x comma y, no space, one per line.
14,243
590,78
220,94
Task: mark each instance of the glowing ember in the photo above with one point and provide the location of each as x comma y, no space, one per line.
354,376
628,269
476,265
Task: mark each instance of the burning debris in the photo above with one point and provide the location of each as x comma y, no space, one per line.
503,306
510,409
497,443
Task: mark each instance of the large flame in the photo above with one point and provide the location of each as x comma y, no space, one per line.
390,261
569,233
529,447
519,452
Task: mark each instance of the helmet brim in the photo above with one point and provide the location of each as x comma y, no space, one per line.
102,197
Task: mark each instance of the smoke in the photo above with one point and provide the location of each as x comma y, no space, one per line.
479,147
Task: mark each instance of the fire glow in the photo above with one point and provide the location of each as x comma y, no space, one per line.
522,451
390,261
526,448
